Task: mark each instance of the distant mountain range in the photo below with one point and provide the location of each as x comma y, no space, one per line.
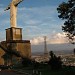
57,48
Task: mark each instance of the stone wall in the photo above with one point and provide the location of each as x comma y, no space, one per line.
1,54
24,49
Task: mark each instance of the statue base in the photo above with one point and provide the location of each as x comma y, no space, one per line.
14,47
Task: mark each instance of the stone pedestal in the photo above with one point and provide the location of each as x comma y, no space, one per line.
13,45
13,34
15,42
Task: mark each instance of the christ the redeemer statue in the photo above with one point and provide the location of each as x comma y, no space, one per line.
13,12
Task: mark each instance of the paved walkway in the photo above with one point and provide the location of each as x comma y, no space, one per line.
9,72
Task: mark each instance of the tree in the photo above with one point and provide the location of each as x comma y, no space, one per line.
55,62
26,62
66,12
74,51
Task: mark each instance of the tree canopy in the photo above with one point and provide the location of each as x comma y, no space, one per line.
66,12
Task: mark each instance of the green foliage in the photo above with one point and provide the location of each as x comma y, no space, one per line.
66,12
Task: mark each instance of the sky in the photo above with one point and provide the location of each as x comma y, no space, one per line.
38,18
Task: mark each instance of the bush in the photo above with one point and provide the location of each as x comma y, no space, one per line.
55,62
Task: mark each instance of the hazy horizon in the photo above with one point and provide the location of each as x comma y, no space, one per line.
52,47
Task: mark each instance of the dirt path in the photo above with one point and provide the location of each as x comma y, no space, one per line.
9,72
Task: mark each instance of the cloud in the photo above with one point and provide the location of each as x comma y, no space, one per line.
32,22
37,40
1,5
58,38
44,18
35,21
36,15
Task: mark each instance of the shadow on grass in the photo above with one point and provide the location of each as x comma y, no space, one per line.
66,70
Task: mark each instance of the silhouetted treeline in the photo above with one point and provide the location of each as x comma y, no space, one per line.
55,62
